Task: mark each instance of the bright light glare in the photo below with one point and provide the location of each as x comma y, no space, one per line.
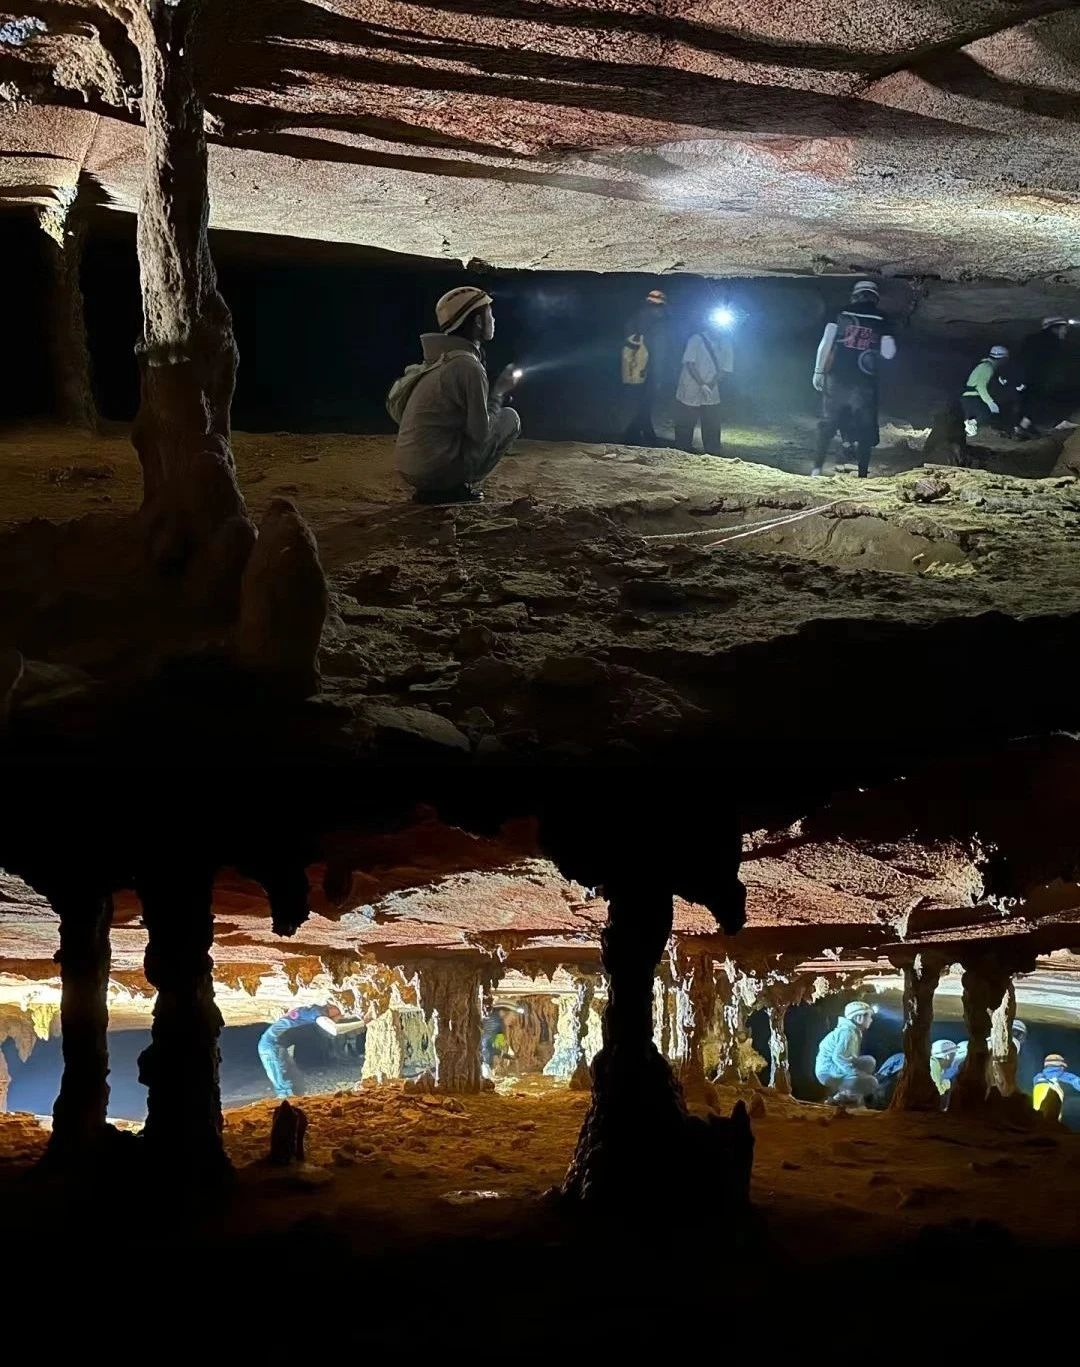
723,317
518,374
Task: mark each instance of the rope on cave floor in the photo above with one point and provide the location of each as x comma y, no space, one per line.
746,528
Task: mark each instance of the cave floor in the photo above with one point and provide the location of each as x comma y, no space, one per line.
404,1183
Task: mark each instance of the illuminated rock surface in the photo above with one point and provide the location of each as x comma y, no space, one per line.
922,140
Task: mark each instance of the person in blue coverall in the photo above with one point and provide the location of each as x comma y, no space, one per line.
274,1041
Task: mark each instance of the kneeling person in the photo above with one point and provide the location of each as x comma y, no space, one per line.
840,1067
453,430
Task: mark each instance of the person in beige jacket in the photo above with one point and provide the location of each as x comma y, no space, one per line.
453,430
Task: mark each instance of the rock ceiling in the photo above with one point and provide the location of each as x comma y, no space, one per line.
929,138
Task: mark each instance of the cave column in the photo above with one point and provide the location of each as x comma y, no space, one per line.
636,1114
452,993
63,226
697,973
915,1090
584,994
180,1067
84,957
1003,1055
192,507
779,1056
984,985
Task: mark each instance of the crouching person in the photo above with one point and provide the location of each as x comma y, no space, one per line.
453,430
841,1067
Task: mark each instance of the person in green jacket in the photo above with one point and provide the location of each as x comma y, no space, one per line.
989,397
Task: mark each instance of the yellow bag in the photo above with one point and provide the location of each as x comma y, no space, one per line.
635,359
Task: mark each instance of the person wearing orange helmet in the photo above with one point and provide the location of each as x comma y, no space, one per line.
644,355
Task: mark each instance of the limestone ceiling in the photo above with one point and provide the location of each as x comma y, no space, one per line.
931,138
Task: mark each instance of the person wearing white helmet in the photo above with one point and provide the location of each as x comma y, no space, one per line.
1040,359
452,428
841,1067
989,396
846,369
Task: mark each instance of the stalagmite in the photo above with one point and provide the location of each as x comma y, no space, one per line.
915,1090
63,225
452,992
180,1067
84,956
638,1143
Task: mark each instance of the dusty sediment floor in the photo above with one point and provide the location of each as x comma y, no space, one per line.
422,1177
624,575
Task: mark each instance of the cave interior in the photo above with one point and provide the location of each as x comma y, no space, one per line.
645,767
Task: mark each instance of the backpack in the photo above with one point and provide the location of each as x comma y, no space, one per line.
401,390
635,359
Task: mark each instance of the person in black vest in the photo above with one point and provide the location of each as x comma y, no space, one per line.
1040,355
846,372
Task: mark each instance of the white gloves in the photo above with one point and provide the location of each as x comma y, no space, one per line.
819,380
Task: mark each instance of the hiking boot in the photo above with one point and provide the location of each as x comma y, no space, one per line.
971,427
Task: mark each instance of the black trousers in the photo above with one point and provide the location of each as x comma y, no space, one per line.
640,430
687,418
850,408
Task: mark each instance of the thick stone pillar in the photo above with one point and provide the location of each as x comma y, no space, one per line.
915,1090
63,225
638,1146
84,956
452,992
180,1067
187,353
779,1058
1003,1056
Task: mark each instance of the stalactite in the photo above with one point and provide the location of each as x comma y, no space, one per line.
779,1058
63,225
84,957
180,1067
915,1090
452,992
638,1144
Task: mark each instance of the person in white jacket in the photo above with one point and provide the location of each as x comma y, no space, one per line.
707,364
841,1067
846,373
454,429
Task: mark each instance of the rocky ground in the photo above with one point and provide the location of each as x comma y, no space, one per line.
417,1201
609,578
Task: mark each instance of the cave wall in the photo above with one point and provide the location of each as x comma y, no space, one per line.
309,367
